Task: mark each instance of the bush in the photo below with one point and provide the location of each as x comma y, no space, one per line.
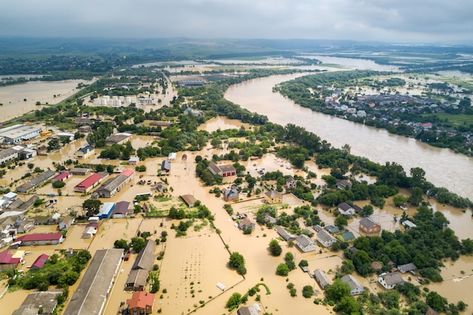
58,184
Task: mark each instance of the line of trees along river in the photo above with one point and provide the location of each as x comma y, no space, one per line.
443,167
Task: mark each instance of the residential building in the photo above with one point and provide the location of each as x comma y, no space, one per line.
291,183
410,267
133,160
85,151
81,171
40,261
355,287
231,194
268,219
189,200
113,185
273,197
141,303
368,226
408,224
285,234
325,238
117,138
343,184
66,135
65,223
89,183
36,181
253,309
345,209
40,239
94,288
193,112
347,236
166,166
222,170
90,230
136,280
389,280
7,261
62,176
106,210
18,133
8,155
41,302
305,243
322,278
121,209
246,224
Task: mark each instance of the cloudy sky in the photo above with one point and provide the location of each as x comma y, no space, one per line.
384,20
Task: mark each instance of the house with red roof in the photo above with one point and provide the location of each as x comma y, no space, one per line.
7,261
40,239
140,303
89,183
62,176
40,261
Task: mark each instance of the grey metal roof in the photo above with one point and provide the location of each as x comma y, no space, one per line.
145,258
92,293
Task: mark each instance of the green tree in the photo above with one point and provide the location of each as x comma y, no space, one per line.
436,301
282,270
237,262
307,291
137,244
274,248
337,290
233,301
91,206
341,221
121,243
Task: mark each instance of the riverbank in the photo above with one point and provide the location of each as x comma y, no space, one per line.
443,167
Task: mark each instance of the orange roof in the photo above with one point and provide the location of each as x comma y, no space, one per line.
128,172
140,300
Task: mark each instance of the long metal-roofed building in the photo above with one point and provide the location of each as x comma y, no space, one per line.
93,290
113,185
36,181
17,133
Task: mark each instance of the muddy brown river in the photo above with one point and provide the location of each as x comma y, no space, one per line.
443,167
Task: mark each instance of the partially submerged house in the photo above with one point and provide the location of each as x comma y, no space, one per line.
222,170
273,197
322,279
8,261
36,181
285,234
189,200
231,194
40,239
305,243
141,267
389,280
345,209
325,238
41,302
114,185
141,303
246,224
368,226
355,287
410,267
121,209
90,182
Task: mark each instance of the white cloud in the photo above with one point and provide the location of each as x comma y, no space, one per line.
387,20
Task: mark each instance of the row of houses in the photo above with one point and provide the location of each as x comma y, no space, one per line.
36,181
303,242
143,264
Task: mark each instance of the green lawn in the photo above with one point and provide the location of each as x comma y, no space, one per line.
456,119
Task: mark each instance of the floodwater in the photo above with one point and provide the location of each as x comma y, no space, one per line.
443,167
352,63
222,123
12,96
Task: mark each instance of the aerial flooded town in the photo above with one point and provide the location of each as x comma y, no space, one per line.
143,172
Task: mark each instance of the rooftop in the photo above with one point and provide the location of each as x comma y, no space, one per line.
39,237
140,300
91,295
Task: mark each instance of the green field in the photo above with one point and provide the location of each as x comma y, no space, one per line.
456,119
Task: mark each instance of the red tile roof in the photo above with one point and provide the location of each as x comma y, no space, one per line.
40,261
39,237
7,258
128,172
90,181
62,176
140,300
